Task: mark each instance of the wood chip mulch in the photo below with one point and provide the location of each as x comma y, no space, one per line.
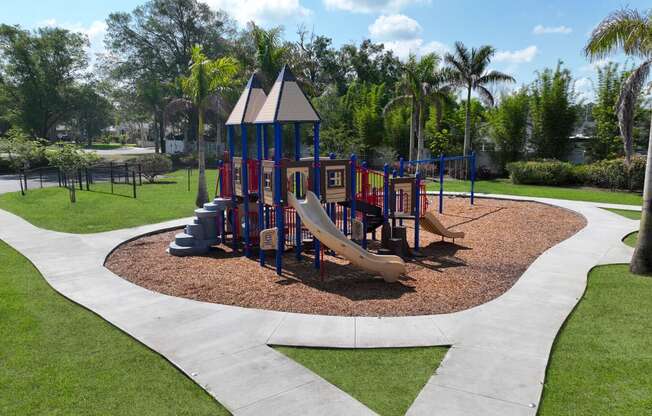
502,239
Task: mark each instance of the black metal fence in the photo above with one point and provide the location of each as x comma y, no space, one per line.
123,178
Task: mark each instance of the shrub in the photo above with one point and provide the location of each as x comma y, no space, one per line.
543,172
154,164
614,174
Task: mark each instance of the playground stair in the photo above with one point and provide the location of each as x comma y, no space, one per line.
202,233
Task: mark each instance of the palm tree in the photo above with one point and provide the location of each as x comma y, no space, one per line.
630,31
270,52
422,83
468,69
207,77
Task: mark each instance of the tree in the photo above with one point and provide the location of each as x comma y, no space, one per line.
421,84
92,112
630,31
365,103
21,150
206,79
69,160
468,70
508,127
149,48
270,52
607,142
553,112
38,74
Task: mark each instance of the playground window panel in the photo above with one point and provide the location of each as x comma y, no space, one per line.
336,178
267,181
237,174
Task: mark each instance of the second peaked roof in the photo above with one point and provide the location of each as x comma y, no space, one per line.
249,104
286,102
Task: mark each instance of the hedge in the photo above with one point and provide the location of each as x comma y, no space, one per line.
611,174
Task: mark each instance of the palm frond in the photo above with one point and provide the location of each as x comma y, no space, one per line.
395,102
176,106
482,59
626,105
485,95
626,30
493,77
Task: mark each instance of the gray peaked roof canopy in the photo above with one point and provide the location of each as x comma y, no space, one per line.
249,104
286,102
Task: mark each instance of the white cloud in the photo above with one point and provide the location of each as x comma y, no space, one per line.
394,27
371,6
261,11
548,30
593,66
518,56
585,89
95,33
403,48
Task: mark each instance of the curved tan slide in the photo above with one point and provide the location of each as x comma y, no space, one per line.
320,225
431,224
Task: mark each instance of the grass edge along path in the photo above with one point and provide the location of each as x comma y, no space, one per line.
98,210
506,187
58,358
630,239
387,380
602,357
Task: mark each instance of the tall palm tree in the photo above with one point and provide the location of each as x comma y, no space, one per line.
207,78
422,84
468,69
630,31
270,52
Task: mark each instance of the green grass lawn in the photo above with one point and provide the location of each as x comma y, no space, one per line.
503,186
98,210
387,380
57,358
602,359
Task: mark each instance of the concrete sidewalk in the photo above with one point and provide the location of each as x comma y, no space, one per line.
496,364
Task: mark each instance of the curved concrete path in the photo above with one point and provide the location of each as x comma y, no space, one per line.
495,366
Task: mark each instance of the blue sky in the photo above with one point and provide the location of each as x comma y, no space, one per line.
528,35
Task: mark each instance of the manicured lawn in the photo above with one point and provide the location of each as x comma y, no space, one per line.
387,380
57,358
98,210
602,359
503,186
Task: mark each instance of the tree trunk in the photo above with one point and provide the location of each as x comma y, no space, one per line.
420,134
413,120
642,259
467,125
202,193
156,133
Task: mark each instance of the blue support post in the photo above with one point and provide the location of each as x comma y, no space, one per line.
442,161
401,167
222,220
245,188
401,172
394,175
261,203
316,183
278,207
354,182
472,176
234,220
297,188
331,206
417,210
364,216
386,191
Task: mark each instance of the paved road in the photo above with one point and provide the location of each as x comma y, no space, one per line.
496,364
127,150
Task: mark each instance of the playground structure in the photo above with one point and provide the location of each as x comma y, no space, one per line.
289,202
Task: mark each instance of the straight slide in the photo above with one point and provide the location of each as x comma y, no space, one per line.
316,220
430,223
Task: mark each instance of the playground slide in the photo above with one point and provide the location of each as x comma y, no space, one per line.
431,224
320,225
